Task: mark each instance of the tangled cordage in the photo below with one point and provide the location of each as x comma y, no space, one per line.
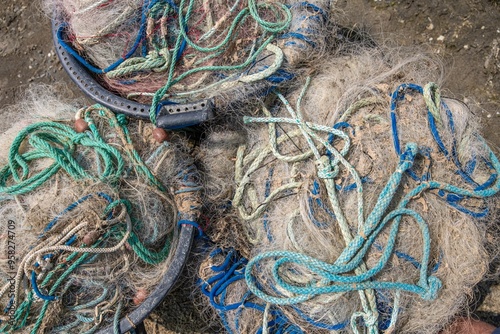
92,227
357,198
160,51
346,204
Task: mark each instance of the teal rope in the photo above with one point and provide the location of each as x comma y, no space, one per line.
92,303
333,278
252,9
147,255
57,142
327,170
56,284
116,319
61,278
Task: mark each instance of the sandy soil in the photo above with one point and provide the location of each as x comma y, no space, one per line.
465,33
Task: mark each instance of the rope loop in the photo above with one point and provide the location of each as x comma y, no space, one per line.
325,169
434,284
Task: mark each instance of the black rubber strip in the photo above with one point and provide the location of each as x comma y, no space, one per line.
171,116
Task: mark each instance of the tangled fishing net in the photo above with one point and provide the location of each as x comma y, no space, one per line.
360,203
91,217
164,51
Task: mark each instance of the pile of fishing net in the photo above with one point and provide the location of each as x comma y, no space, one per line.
191,49
91,216
362,202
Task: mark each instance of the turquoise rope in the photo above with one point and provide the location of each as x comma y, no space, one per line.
332,277
61,143
57,142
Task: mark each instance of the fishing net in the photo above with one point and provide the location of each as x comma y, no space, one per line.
91,217
182,51
364,200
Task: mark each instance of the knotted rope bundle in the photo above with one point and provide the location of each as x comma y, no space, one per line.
361,222
91,223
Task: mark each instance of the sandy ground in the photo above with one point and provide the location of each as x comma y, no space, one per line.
465,33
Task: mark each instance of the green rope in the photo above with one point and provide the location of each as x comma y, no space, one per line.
252,9
147,255
62,144
58,142
63,276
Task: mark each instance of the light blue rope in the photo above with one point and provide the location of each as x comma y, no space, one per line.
337,277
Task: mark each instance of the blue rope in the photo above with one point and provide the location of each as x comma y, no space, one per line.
322,325
37,290
451,199
233,270
309,6
299,36
71,207
192,223
411,259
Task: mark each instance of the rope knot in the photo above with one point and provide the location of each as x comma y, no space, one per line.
165,54
370,320
325,168
432,289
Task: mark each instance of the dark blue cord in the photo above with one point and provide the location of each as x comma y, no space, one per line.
192,223
140,36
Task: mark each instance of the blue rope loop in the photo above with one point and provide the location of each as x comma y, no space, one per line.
188,191
306,22
37,290
138,40
232,270
451,199
182,222
312,8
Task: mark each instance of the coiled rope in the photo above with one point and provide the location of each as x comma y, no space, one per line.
158,56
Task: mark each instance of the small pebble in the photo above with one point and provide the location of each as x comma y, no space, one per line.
81,125
160,135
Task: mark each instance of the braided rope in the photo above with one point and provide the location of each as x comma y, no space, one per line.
336,277
62,144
